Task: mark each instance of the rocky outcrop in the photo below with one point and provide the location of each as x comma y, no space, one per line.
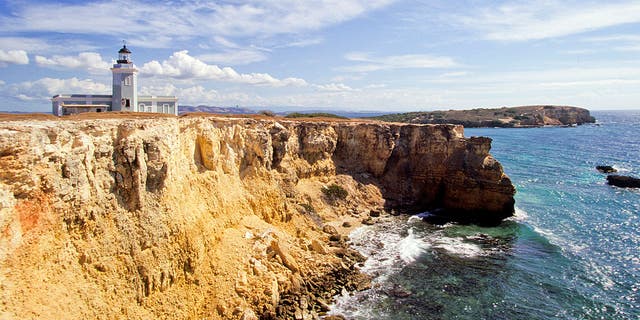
205,217
606,169
623,181
428,167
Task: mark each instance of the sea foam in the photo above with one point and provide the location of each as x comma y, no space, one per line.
410,247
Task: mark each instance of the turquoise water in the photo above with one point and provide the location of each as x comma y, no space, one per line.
571,252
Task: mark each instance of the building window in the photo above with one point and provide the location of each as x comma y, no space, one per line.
149,109
127,80
165,108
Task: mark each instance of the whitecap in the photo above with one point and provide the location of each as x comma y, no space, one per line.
458,247
410,247
415,218
622,169
519,215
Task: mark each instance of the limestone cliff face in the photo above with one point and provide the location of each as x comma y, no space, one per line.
426,167
209,217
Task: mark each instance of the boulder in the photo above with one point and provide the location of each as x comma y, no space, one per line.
329,229
318,247
623,181
606,169
368,221
287,260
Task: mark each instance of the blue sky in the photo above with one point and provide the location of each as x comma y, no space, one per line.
380,55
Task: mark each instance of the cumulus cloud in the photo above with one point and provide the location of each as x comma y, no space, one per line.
368,63
181,65
90,61
45,88
13,57
196,95
519,21
152,20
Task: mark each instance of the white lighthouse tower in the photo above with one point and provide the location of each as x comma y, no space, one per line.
125,84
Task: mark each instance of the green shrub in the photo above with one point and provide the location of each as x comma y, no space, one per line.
335,192
314,115
267,113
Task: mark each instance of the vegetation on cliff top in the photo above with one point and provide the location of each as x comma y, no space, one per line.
314,115
526,116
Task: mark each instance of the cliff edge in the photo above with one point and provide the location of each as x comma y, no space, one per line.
208,217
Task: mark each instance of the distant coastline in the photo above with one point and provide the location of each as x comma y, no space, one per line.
506,117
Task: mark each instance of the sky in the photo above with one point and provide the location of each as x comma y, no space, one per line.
355,55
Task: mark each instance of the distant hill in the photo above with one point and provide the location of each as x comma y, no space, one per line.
213,109
525,116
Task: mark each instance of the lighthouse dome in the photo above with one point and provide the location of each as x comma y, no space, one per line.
124,49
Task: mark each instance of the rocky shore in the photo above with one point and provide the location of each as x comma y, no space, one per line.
138,216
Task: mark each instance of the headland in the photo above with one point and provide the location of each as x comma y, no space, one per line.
148,216
506,117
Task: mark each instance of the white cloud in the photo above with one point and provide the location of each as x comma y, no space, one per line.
625,42
455,74
24,97
151,20
197,95
13,57
183,66
614,38
631,48
225,42
41,46
591,83
520,21
408,61
335,87
234,57
90,61
45,88
631,71
301,43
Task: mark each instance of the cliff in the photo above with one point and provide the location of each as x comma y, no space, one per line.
525,116
205,217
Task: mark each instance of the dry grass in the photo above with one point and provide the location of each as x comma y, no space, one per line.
26,116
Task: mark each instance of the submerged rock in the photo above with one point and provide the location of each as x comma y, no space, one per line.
623,181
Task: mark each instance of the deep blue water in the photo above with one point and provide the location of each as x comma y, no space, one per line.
571,252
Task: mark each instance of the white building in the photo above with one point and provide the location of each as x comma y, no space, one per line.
124,96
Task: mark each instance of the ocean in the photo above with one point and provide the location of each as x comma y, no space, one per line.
572,251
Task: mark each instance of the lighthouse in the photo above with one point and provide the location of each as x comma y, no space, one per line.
125,84
124,96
